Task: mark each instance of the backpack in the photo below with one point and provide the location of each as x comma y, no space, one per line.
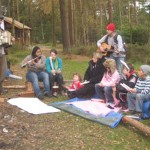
116,41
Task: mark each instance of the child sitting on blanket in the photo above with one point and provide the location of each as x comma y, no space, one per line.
129,78
76,84
104,89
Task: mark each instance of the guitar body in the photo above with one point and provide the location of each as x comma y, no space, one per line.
108,49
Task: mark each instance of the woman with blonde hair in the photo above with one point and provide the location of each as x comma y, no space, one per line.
104,89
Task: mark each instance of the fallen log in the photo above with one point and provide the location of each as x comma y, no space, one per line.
14,86
140,126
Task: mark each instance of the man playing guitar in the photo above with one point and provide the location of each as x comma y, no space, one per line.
116,47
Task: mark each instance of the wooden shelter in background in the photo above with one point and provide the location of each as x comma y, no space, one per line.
22,32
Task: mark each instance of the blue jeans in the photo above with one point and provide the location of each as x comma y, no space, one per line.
136,100
35,77
105,93
146,109
119,64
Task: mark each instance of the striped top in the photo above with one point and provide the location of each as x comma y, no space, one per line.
143,86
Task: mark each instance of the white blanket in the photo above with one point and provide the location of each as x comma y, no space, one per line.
94,106
32,105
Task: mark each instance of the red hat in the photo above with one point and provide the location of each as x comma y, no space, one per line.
111,27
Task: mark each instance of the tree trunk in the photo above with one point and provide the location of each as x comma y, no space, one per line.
135,13
42,30
0,7
13,17
120,16
64,25
101,19
106,14
17,5
110,11
129,13
129,21
9,7
71,23
53,23
83,26
82,22
75,23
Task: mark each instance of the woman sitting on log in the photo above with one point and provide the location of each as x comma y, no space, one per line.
36,72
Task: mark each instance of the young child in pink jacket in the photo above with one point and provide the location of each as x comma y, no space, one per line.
104,89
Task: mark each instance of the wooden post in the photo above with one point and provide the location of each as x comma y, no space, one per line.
29,90
27,94
29,86
2,100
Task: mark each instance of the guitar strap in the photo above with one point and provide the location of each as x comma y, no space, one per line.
106,39
115,41
115,38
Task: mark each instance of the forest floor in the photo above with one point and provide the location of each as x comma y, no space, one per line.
20,130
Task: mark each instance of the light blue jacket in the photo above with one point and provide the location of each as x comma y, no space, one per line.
49,67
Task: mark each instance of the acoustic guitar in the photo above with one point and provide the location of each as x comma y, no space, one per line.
108,49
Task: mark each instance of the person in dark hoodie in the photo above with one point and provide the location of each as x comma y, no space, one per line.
93,75
36,72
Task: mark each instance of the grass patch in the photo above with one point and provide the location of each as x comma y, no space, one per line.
74,66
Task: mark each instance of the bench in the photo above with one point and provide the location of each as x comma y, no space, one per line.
29,92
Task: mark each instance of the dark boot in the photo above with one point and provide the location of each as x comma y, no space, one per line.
71,94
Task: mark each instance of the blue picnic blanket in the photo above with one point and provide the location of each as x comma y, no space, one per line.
111,120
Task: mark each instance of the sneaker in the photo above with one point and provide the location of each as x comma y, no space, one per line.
63,93
41,97
144,117
126,110
55,94
48,94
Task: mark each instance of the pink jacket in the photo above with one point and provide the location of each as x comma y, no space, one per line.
110,80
